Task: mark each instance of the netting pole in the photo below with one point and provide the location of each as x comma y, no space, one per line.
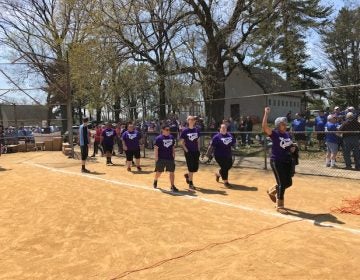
69,106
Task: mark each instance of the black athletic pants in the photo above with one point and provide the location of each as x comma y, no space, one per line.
225,166
283,175
192,161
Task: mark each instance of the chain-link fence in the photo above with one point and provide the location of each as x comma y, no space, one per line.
253,150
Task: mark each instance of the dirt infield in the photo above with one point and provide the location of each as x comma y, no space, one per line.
57,223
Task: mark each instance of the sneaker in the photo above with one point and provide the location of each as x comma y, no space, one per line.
93,156
192,187
327,165
187,178
217,178
333,166
138,168
110,164
272,194
228,185
174,189
85,171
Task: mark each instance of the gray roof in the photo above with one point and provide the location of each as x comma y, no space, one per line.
268,80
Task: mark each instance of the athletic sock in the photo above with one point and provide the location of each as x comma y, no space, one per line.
332,162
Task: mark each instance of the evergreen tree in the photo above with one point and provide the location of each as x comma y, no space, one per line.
280,44
341,41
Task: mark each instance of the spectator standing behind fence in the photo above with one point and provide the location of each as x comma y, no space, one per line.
320,122
298,127
331,140
289,117
248,128
2,139
309,128
351,138
84,139
242,131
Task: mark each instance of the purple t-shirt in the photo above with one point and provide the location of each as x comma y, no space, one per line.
222,144
109,135
281,143
165,145
131,140
191,137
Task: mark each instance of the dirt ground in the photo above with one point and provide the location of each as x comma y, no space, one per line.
57,223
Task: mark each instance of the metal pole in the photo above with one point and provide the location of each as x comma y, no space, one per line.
15,115
69,106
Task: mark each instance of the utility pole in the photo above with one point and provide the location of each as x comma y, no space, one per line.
69,106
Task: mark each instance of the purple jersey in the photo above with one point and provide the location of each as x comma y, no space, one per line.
281,143
191,137
131,140
165,146
108,135
222,144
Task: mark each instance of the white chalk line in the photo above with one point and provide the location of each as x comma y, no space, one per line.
208,200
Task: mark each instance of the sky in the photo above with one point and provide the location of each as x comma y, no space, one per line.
317,60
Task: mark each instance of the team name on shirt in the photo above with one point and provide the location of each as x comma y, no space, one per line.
192,136
285,142
226,140
109,133
167,142
132,136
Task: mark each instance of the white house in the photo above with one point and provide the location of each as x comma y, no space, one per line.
248,91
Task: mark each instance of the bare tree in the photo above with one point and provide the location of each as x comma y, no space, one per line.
42,33
149,29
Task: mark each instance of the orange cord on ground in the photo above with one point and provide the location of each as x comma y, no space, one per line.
350,206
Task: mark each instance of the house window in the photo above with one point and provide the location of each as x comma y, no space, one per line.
290,103
287,103
269,102
279,103
282,103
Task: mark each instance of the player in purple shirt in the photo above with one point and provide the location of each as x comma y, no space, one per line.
164,150
222,143
281,160
190,143
107,141
131,145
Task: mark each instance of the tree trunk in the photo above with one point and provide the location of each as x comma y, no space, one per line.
162,94
98,115
63,114
214,84
117,108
